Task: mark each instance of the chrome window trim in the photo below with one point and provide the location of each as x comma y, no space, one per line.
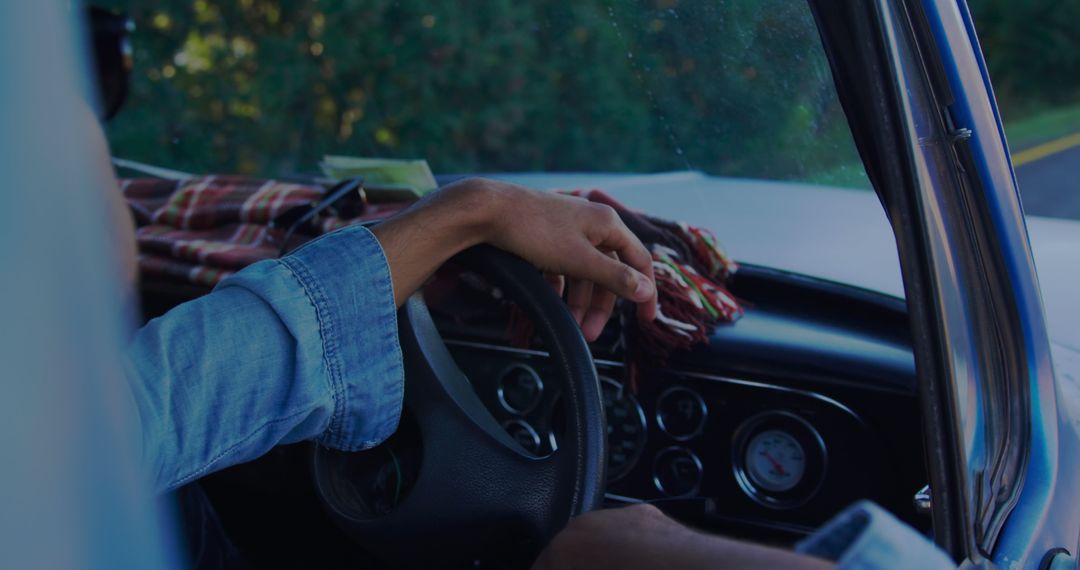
971,279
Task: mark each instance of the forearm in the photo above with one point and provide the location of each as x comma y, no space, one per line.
692,549
640,536
419,240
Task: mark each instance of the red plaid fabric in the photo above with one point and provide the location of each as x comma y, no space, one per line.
200,230
203,229
212,201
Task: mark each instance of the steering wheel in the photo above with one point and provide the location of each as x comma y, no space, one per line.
477,491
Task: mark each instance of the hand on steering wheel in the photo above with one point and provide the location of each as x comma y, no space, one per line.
477,488
566,236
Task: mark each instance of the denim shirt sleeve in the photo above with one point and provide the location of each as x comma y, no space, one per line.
867,537
304,347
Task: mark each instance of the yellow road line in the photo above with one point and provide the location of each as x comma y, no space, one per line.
1046,149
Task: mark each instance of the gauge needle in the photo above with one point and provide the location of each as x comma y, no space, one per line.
776,464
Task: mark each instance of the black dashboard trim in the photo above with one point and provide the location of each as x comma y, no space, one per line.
687,374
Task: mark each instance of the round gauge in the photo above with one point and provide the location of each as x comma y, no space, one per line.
775,460
779,459
681,413
626,429
524,435
677,472
520,389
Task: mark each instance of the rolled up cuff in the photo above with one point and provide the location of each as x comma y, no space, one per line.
347,278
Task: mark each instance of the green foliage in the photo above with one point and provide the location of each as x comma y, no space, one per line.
1032,49
731,87
1039,127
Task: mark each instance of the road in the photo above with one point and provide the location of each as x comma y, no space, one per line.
1049,178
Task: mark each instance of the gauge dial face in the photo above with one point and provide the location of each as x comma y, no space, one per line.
677,472
625,428
681,413
775,461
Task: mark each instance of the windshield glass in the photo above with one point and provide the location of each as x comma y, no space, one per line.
730,88
721,114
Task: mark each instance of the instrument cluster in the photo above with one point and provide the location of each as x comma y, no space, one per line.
756,452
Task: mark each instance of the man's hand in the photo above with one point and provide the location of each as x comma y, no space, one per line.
640,536
562,235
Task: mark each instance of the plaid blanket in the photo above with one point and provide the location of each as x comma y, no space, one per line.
203,229
200,230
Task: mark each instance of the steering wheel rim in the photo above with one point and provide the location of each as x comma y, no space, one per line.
476,488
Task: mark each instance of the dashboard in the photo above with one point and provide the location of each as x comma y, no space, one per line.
804,406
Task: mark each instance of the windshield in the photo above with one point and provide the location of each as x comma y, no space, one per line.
728,88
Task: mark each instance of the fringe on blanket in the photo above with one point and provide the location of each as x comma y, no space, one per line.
691,271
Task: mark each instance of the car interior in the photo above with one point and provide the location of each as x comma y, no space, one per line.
804,405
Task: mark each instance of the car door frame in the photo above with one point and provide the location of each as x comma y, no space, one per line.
913,83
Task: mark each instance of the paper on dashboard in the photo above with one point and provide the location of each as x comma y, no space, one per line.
386,179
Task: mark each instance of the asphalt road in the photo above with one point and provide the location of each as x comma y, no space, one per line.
1050,180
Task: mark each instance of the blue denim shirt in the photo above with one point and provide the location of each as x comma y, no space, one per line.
303,347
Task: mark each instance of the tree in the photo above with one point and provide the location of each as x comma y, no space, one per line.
731,87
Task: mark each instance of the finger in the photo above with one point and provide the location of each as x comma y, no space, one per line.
600,308
557,282
646,311
579,297
632,252
621,279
